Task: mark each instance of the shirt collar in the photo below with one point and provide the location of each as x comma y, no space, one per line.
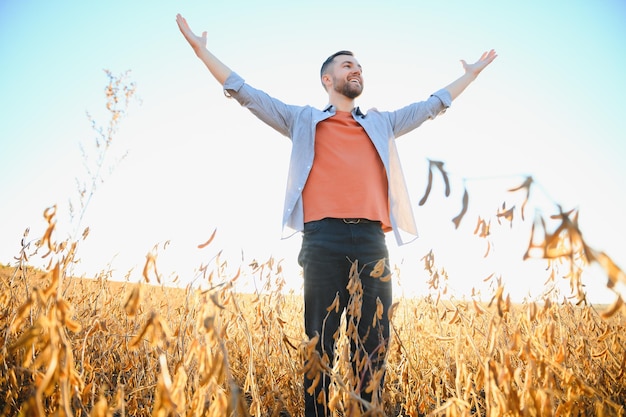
356,111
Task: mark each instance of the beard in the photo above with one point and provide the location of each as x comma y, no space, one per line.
348,89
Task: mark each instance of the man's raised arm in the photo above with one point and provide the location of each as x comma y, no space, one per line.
471,72
217,68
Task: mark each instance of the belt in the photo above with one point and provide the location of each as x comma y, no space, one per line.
358,220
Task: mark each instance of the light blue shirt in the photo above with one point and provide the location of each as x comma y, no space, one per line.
299,124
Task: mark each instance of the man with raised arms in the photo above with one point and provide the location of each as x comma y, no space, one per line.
345,190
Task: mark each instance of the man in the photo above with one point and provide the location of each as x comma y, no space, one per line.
345,189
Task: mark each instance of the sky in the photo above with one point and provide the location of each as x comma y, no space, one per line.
550,106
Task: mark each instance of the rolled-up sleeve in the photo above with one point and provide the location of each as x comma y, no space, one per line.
444,96
233,83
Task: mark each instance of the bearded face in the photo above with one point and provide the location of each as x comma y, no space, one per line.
346,76
351,86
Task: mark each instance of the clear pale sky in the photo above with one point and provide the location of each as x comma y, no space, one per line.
550,106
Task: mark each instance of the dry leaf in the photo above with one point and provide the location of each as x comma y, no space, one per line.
614,308
444,174
429,186
526,186
457,219
208,242
379,269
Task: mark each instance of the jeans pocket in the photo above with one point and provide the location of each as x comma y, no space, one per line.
312,227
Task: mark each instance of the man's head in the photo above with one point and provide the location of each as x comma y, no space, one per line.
341,72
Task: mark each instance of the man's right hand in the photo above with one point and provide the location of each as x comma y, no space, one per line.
217,68
197,42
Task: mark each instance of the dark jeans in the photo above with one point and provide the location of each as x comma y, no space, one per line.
329,249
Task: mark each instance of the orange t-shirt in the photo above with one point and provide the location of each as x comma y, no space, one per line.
348,179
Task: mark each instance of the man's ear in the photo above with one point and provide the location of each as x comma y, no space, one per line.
327,80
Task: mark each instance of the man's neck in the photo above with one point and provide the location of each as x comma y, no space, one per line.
341,102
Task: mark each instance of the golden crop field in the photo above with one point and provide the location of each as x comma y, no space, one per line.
79,347
110,347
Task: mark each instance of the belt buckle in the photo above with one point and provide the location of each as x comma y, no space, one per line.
351,221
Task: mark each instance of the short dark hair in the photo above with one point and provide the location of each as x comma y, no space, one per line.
330,59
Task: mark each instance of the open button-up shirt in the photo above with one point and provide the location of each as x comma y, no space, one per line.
299,124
